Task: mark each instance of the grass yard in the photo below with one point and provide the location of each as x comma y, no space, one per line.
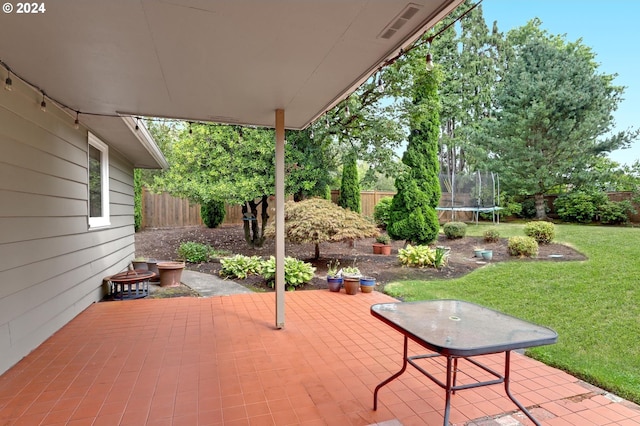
594,305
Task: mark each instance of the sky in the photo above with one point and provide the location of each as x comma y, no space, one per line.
612,30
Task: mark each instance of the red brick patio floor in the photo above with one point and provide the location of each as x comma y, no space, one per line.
219,360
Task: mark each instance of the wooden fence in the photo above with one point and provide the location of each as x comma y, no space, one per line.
165,211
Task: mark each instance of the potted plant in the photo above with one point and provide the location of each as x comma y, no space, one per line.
477,252
351,276
334,277
382,245
170,273
367,284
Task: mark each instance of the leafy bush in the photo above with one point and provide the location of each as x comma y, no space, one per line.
296,272
212,213
491,235
350,186
522,246
615,212
381,212
422,256
240,266
383,239
542,232
455,230
579,206
194,252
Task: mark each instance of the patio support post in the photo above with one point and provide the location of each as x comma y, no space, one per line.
279,218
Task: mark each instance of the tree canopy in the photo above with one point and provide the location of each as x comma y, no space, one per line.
554,114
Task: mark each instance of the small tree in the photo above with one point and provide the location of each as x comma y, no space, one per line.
317,220
212,213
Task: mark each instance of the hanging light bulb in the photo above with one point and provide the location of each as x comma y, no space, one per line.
311,134
43,104
190,129
347,113
429,65
326,125
76,124
380,87
137,127
8,84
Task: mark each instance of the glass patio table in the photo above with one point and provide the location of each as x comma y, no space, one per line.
455,330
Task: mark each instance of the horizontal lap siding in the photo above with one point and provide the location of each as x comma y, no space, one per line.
51,264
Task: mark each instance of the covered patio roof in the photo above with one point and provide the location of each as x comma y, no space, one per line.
219,61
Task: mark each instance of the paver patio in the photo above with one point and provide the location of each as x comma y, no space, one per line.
219,360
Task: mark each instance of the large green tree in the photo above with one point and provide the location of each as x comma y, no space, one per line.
554,115
412,215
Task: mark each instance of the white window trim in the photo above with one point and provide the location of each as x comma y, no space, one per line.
104,220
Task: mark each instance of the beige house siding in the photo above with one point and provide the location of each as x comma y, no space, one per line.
51,264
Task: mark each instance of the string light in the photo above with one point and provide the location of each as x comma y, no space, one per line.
311,134
380,87
137,127
8,84
76,124
43,104
347,113
326,124
429,63
190,129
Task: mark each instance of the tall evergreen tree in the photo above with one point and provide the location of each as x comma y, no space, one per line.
412,215
350,187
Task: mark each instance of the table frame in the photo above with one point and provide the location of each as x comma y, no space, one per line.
450,386
137,285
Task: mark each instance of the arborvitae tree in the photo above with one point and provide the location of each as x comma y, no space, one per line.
350,187
212,213
413,216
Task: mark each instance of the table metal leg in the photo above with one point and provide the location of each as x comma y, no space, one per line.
404,367
450,384
507,369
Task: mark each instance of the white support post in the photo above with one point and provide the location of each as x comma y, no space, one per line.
280,218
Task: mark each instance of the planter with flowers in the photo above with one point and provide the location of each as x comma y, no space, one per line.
334,276
351,276
382,245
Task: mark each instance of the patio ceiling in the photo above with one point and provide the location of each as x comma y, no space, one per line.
221,61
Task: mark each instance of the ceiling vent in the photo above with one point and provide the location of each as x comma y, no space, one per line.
398,22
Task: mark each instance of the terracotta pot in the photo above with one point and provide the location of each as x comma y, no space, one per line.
377,248
385,249
351,285
170,273
334,283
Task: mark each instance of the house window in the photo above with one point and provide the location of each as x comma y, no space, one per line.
98,182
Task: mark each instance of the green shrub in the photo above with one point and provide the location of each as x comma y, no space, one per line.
422,256
615,212
383,239
381,212
522,246
579,206
296,272
212,213
240,266
194,252
491,235
350,186
542,232
455,230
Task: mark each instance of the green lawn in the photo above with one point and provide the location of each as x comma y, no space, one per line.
594,305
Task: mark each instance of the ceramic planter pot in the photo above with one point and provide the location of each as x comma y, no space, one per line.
367,284
487,254
351,285
478,253
140,264
334,283
170,273
377,248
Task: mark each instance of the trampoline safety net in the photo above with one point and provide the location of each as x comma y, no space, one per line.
470,193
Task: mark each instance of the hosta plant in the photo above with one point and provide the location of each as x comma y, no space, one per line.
422,256
240,266
296,272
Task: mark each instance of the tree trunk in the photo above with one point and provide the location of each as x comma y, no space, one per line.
317,253
541,213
